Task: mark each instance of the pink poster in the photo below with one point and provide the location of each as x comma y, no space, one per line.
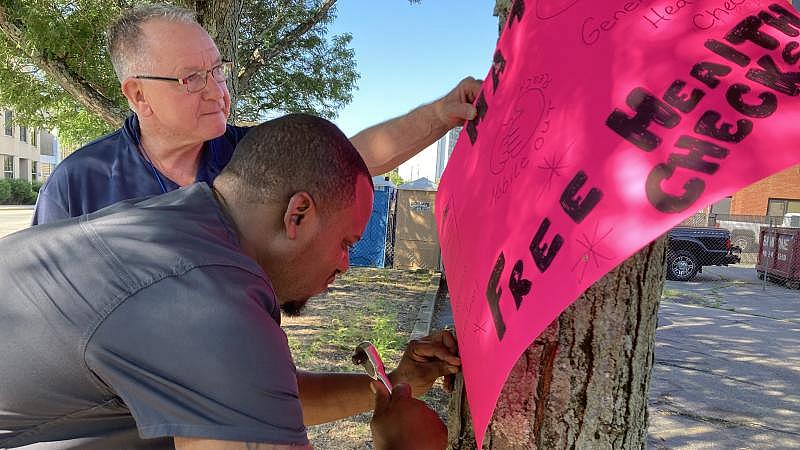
601,125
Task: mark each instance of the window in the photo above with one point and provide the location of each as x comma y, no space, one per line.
781,206
33,137
46,170
9,123
8,166
23,133
722,207
34,170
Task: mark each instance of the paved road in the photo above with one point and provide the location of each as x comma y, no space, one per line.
727,369
12,220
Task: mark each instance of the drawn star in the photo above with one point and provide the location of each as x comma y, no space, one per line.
554,167
591,253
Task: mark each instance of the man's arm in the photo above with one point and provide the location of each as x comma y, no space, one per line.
326,397
389,144
399,422
183,443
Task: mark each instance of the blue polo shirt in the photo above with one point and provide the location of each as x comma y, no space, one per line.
112,168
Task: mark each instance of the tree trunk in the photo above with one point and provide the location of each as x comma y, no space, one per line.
584,382
501,8
221,18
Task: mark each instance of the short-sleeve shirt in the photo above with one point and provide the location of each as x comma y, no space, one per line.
113,168
143,316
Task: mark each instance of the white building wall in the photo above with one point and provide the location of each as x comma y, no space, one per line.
444,148
24,152
423,164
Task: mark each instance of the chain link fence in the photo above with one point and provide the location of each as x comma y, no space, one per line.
391,230
690,248
376,246
401,232
769,243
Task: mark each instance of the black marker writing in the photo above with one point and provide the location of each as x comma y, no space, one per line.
576,207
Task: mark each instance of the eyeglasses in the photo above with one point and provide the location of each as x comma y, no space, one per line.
197,81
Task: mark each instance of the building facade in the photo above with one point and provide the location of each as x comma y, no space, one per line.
444,148
777,195
27,154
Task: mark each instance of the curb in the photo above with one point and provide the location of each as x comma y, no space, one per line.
422,326
16,207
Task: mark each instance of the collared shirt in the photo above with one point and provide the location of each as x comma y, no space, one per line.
144,316
112,168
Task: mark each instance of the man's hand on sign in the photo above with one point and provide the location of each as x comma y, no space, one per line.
402,422
456,107
427,359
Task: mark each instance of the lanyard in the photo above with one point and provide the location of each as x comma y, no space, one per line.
155,172
153,169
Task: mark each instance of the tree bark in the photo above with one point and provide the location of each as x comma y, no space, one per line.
221,18
501,8
584,382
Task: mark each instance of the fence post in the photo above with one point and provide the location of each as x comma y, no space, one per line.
770,253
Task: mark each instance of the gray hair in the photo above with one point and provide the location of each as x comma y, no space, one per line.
126,41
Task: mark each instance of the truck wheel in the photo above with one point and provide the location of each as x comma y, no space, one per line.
682,266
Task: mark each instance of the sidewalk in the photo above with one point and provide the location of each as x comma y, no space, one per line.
14,218
727,364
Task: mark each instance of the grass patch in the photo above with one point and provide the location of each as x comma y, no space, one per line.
712,299
378,305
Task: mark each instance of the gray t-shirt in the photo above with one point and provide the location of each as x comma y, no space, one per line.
144,315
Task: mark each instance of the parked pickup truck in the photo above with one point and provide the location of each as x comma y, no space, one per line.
691,248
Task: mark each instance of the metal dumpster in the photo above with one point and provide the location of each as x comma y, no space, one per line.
779,255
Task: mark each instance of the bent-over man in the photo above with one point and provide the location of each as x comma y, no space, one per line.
155,323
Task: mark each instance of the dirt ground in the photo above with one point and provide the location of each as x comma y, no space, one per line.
379,305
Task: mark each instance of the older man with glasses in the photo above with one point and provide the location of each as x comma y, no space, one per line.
179,134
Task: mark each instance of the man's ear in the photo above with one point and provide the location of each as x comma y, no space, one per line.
132,89
300,213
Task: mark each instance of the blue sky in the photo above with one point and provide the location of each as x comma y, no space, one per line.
408,54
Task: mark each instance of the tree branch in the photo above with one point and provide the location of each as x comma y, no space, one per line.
261,56
70,81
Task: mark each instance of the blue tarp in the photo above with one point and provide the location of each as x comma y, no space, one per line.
370,251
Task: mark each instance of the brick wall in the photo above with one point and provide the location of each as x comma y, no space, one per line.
753,199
